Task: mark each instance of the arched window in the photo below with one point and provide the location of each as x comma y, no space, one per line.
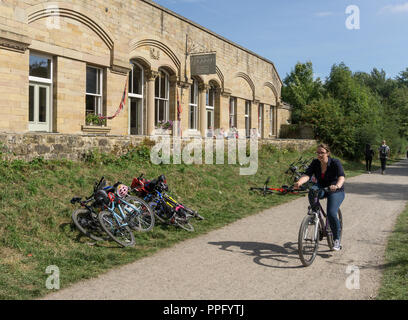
193,106
161,97
136,86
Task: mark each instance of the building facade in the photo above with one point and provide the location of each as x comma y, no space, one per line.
65,63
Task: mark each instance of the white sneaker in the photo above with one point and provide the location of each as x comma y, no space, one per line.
337,245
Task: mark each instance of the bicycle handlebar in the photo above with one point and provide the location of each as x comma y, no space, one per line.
78,199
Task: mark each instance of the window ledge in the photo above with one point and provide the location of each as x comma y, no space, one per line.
162,132
95,129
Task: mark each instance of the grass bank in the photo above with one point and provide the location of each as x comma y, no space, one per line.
394,285
35,212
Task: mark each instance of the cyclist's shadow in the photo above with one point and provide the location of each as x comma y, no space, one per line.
268,254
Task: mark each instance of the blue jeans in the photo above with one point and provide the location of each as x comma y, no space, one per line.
334,200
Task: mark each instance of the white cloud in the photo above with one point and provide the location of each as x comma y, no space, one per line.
324,14
397,8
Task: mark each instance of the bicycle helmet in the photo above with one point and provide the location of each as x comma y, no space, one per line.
101,198
122,190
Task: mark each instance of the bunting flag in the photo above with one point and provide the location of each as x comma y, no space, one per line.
121,106
179,116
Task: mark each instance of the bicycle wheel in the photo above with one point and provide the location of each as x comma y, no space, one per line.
120,234
308,240
181,220
330,240
143,218
84,222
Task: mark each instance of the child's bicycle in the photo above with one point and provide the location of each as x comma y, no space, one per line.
165,208
142,187
86,218
123,213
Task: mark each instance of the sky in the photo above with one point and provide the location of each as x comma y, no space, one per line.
320,31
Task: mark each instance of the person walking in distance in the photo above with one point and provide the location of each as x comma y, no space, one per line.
369,153
384,152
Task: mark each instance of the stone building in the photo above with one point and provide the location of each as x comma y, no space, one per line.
63,63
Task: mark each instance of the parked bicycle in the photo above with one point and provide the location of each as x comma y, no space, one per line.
123,213
282,190
298,168
166,208
314,228
140,186
86,218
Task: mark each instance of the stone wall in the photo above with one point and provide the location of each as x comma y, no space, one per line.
73,147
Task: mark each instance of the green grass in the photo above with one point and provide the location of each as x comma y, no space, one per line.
35,212
395,278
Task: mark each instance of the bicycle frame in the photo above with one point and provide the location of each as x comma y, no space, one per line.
321,216
122,216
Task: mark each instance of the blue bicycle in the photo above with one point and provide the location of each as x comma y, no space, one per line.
122,213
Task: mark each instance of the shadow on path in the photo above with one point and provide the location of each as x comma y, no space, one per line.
397,169
385,191
267,254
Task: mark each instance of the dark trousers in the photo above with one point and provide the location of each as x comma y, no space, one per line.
368,163
383,163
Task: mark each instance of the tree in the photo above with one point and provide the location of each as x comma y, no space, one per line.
402,78
300,89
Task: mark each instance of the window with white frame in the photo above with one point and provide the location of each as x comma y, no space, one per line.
233,112
136,87
260,119
94,90
248,118
40,92
193,106
162,87
271,119
210,105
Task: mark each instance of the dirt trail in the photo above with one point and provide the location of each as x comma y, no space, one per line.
256,257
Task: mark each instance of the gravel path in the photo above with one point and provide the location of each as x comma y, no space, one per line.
256,257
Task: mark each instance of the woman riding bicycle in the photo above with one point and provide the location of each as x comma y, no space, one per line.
329,173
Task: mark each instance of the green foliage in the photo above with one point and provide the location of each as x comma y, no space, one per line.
351,110
300,89
93,119
394,284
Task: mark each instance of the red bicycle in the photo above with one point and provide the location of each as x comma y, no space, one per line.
282,190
